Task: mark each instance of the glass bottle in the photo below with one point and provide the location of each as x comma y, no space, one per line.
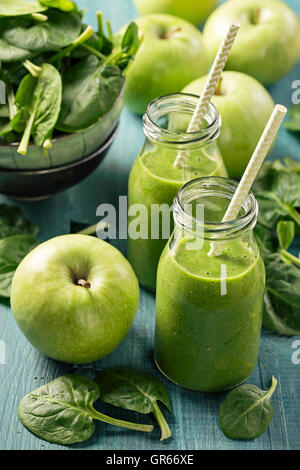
169,157
210,288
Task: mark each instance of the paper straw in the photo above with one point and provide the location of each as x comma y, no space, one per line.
254,165
211,84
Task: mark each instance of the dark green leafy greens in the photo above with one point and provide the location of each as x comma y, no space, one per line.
89,88
13,222
90,68
62,411
12,251
17,7
135,390
278,193
247,411
17,238
294,122
60,30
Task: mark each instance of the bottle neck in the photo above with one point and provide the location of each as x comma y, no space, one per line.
167,119
201,204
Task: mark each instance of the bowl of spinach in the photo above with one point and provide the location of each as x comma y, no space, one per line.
63,82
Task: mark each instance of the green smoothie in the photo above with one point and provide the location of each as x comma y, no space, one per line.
208,329
155,180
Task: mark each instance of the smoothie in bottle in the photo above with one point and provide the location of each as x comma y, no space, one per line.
157,175
209,308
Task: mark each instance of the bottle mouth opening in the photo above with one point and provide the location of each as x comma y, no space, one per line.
215,193
167,118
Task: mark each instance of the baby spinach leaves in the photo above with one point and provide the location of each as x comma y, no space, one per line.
247,411
39,100
77,74
89,91
60,30
17,7
12,250
13,222
135,390
62,411
17,238
278,193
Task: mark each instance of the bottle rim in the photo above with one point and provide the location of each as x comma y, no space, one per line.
213,186
179,103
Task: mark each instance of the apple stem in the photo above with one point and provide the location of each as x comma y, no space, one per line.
170,33
256,16
83,283
218,89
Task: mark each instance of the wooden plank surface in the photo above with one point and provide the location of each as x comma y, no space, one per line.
194,421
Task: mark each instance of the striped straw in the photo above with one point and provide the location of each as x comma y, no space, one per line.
252,169
211,85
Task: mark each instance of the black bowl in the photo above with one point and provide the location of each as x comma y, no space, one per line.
32,185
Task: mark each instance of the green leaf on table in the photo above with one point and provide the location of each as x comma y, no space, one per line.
39,100
64,5
59,31
247,411
17,7
90,89
278,195
285,233
294,123
62,411
282,296
135,390
12,250
13,222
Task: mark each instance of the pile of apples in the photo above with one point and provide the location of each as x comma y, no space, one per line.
175,56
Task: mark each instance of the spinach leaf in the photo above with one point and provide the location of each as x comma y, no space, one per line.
278,195
247,411
9,53
17,7
62,411
135,390
282,296
64,5
285,233
294,123
13,222
89,90
59,31
39,100
12,250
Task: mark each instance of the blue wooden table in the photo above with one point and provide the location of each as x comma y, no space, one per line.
194,421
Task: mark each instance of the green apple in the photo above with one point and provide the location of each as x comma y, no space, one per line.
171,55
245,107
195,11
268,43
74,297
